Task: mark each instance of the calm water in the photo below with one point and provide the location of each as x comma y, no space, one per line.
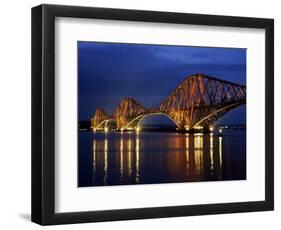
149,157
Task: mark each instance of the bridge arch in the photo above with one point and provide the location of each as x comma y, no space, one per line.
216,115
136,121
104,124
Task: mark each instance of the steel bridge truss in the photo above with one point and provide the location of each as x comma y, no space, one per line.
201,100
99,117
126,111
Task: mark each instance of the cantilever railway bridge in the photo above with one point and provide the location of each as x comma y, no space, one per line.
198,101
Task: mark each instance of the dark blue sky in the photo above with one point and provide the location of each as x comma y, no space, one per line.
108,72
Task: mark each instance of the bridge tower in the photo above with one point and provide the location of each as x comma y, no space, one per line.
99,116
126,111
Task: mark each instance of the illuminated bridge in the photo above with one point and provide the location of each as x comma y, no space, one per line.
198,102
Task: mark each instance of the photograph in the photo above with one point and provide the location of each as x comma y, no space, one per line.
152,114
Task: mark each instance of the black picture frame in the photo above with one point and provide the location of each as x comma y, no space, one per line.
43,114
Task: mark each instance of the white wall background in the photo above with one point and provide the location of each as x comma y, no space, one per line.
15,107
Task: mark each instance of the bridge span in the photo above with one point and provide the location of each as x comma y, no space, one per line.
196,103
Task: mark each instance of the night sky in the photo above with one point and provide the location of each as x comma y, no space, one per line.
108,72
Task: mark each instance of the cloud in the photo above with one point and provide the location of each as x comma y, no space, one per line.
107,72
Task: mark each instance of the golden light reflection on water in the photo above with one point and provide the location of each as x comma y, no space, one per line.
94,159
105,160
212,152
130,156
187,152
220,155
121,158
198,153
137,157
183,157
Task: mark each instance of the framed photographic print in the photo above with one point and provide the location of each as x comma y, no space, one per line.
141,114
